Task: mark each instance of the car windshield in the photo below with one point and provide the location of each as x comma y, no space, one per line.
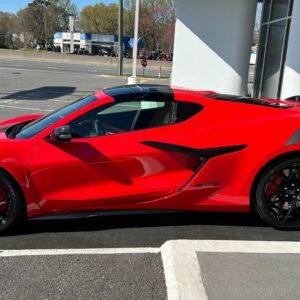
37,126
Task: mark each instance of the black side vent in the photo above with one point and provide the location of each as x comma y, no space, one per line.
294,98
248,100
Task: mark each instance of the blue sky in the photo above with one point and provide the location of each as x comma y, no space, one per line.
13,6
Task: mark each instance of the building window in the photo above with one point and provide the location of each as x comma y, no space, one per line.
272,47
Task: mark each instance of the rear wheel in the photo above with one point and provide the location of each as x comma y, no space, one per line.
12,206
277,198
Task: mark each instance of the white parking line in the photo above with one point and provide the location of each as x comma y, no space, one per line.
180,261
182,272
182,269
42,252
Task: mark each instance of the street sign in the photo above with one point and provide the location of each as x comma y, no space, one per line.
144,63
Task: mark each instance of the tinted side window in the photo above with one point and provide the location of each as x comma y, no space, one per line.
186,110
123,117
37,126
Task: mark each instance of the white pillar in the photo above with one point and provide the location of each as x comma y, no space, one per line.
291,76
212,44
72,42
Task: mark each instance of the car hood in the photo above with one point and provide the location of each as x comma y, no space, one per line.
18,120
4,125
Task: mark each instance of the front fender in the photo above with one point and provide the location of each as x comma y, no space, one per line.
15,157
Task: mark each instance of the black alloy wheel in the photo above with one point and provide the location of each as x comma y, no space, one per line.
12,206
278,195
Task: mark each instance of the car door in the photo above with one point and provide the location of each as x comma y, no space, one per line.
108,163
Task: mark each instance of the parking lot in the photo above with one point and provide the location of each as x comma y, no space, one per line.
120,257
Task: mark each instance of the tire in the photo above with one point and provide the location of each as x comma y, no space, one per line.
12,206
277,195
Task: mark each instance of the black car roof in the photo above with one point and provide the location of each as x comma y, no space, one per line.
145,92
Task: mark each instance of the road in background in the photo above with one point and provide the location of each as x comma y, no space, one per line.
84,68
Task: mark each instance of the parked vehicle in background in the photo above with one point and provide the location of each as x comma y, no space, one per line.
142,55
56,49
83,51
49,47
166,56
106,51
127,54
154,55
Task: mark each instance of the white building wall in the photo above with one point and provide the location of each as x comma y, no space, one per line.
212,44
77,36
291,75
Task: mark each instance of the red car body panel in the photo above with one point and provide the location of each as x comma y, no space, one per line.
18,120
121,172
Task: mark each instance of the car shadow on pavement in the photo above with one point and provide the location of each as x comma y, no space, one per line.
147,230
175,219
42,93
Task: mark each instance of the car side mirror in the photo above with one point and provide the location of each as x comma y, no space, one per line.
61,134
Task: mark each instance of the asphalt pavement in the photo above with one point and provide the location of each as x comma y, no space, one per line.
84,68
127,276
37,87
251,276
147,230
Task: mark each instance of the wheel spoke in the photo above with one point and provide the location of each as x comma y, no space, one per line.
298,171
273,183
288,214
293,174
296,208
281,210
282,177
281,194
274,202
273,196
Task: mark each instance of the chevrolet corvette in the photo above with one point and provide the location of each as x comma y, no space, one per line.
151,147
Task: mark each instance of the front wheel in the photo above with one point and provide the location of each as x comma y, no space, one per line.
277,196
12,206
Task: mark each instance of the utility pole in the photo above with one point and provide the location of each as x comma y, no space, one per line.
120,37
45,23
133,78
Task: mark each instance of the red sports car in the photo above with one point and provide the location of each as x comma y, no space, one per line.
148,147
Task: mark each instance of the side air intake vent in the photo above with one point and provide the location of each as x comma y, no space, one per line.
294,98
248,100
